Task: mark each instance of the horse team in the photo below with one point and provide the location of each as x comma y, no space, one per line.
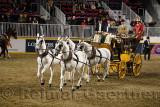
72,58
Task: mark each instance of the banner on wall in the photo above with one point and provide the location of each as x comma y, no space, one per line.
17,45
30,44
156,50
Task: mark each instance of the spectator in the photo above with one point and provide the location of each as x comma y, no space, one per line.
117,21
74,21
133,23
88,5
144,24
83,24
3,19
42,20
98,4
29,20
21,19
48,21
100,14
35,20
90,21
105,13
120,19
74,29
24,10
151,23
11,11
9,19
81,7
17,10
92,5
75,7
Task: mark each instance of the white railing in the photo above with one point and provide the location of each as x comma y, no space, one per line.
31,30
113,15
129,13
60,15
57,30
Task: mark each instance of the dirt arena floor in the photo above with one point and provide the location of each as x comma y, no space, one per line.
20,87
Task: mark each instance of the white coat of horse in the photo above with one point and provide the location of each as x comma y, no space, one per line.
95,57
70,62
45,59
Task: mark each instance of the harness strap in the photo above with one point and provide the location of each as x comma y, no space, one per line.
77,59
99,56
52,58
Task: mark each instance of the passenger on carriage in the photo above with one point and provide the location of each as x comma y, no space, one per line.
100,28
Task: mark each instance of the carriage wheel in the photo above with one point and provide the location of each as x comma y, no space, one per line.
122,69
93,69
137,64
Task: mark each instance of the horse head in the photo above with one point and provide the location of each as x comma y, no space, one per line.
59,46
80,45
12,32
39,42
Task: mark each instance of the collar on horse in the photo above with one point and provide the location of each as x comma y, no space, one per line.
68,59
93,53
45,53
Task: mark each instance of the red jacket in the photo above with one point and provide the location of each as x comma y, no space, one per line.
138,29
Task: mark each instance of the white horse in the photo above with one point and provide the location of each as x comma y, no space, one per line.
45,59
71,62
95,57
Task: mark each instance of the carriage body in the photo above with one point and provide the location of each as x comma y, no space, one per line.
130,62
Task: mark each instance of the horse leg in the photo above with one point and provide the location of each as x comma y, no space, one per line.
42,73
73,72
88,77
38,73
61,78
64,79
104,70
69,77
96,66
50,80
80,79
8,53
107,70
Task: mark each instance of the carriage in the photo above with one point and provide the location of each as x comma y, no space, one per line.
130,61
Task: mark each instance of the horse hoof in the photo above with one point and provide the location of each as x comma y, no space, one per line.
80,85
60,89
98,80
42,83
69,80
49,85
73,89
106,77
102,80
87,81
65,84
77,87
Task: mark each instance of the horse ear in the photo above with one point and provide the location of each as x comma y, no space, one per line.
59,38
37,34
